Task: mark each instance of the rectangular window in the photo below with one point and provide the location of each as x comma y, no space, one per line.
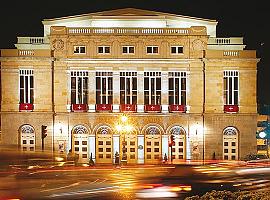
231,87
26,86
104,87
79,87
128,49
128,87
152,88
104,50
177,49
79,49
177,88
152,50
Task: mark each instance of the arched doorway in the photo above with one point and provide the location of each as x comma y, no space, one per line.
27,140
104,145
230,143
153,145
80,143
179,147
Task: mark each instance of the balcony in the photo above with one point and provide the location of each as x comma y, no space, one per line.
152,108
79,107
231,108
230,54
104,107
25,53
128,107
32,43
177,108
231,43
26,107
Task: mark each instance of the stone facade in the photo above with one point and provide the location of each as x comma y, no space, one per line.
203,122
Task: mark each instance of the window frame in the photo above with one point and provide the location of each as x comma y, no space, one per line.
179,94
26,86
81,78
128,49
107,79
104,49
154,94
152,50
177,49
80,48
230,89
130,93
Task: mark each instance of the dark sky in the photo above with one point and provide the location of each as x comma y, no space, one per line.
237,18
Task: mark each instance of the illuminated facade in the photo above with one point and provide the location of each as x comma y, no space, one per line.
169,74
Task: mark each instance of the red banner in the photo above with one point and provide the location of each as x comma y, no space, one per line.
26,107
79,107
104,107
152,108
128,107
177,108
231,108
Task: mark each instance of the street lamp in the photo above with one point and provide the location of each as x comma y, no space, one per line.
123,127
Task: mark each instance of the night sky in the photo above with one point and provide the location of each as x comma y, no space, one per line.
236,18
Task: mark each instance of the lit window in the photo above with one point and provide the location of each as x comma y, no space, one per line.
103,49
26,86
231,87
104,87
152,88
152,50
128,50
79,50
128,87
177,88
79,87
177,49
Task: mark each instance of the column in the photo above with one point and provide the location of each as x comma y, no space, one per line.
140,89
92,91
164,92
140,149
92,147
165,146
116,90
116,145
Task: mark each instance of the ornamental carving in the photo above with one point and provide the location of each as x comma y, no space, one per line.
198,45
230,131
58,44
27,129
80,129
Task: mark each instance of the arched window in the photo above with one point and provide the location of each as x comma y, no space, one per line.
179,145
230,143
27,138
80,129
104,130
152,130
177,130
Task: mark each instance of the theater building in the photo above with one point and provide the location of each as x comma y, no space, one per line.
166,74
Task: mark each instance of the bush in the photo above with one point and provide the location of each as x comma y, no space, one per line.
228,195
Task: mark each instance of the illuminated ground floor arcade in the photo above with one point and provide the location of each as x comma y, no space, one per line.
144,138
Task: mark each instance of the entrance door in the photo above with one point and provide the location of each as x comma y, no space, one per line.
80,143
230,144
27,138
131,147
178,149
104,145
153,145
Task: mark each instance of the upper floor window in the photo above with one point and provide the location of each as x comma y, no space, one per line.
128,87
128,50
177,49
104,87
152,50
79,50
152,88
79,87
26,86
231,87
177,88
104,50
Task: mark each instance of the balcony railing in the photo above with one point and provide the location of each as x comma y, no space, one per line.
79,107
152,108
128,108
231,108
177,108
33,40
26,107
25,53
104,107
